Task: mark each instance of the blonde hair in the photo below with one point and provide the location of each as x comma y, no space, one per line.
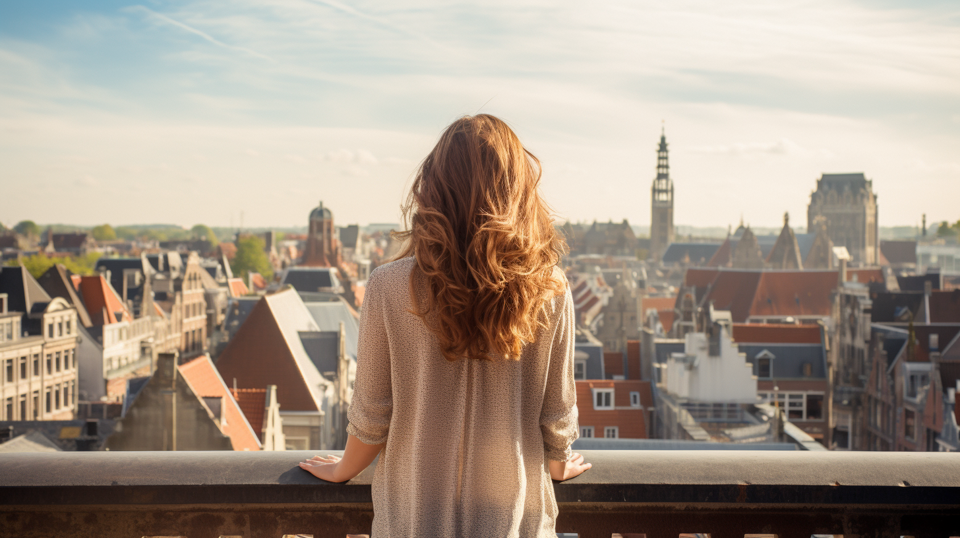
484,239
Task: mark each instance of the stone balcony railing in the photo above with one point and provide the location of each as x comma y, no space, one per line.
658,493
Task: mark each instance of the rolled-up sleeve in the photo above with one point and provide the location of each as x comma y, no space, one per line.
372,405
558,418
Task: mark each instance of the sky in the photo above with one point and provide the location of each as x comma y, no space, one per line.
228,112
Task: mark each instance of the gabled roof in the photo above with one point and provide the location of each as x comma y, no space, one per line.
205,381
236,287
253,403
794,293
267,350
102,301
723,255
57,281
23,291
69,240
733,291
761,333
945,334
789,359
659,303
310,279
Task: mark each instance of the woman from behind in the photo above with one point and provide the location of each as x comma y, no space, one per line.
465,359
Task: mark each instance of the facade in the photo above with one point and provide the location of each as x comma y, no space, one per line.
661,204
621,315
615,409
323,246
38,351
848,203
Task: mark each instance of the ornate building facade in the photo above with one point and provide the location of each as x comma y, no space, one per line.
661,204
848,203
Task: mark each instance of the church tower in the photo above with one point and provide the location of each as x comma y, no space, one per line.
661,204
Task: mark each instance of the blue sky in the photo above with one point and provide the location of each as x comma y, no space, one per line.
190,112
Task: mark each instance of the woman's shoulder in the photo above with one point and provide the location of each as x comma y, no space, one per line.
392,273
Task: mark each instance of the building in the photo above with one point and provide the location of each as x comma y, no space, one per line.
279,343
790,363
621,315
323,246
848,203
614,409
185,407
661,204
38,350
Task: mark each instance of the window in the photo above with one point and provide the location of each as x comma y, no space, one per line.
49,402
934,342
764,365
49,363
9,370
603,398
36,364
586,432
807,369
68,326
23,407
66,395
8,409
50,330
580,370
814,407
634,399
58,361
60,328
23,368
611,432
36,405
56,396
73,358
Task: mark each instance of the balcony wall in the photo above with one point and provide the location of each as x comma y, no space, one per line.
659,493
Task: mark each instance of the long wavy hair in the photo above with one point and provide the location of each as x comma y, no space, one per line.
484,239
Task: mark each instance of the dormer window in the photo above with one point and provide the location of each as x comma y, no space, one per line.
765,364
580,370
602,399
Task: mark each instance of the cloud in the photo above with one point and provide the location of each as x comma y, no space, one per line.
194,31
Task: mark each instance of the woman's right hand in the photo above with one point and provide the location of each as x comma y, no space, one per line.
565,470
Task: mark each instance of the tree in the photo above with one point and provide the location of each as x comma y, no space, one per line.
251,258
945,230
39,263
202,231
28,228
104,232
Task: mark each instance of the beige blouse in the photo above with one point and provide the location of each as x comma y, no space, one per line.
466,441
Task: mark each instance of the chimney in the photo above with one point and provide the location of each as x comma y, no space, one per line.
843,271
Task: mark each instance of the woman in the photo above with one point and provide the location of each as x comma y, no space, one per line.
465,360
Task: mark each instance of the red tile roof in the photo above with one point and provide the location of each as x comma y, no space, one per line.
253,404
101,300
659,303
700,277
722,256
734,291
667,318
945,335
758,333
76,281
237,287
793,293
205,381
630,421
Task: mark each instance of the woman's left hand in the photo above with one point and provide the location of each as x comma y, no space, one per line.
323,467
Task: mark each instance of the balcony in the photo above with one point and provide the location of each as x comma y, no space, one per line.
659,493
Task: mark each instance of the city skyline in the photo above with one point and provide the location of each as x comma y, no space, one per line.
191,112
